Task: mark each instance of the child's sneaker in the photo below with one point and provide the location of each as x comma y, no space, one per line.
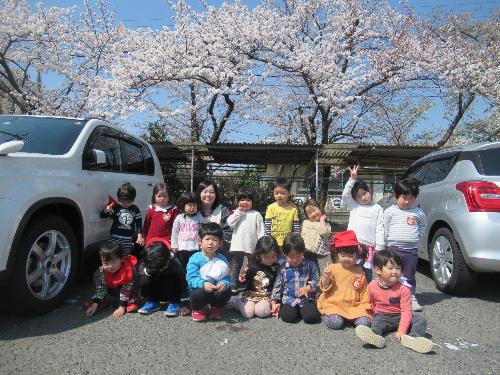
366,334
419,344
415,306
216,313
149,307
173,310
132,308
199,315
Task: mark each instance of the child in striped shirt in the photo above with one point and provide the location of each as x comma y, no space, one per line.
404,226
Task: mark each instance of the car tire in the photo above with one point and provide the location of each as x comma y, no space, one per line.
449,270
45,266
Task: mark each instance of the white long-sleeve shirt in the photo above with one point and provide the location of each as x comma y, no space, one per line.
248,227
366,220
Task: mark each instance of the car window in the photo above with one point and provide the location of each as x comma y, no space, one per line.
107,141
43,135
490,161
150,162
134,160
417,171
438,170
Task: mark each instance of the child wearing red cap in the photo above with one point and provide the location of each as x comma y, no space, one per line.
343,285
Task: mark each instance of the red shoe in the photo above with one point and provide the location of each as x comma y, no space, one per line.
132,308
216,313
199,315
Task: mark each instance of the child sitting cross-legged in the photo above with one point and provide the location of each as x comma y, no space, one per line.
114,277
208,275
343,284
294,292
259,278
391,302
161,278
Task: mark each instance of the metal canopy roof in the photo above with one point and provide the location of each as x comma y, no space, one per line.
376,155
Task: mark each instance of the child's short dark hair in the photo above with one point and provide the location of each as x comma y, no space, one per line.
157,258
126,192
160,186
185,198
110,250
210,229
283,183
202,186
383,257
359,184
406,186
293,242
265,245
245,193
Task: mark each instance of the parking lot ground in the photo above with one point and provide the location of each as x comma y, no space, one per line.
465,330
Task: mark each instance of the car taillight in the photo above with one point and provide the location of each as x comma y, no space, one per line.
480,195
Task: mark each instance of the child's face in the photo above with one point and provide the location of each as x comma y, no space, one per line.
210,244
125,203
245,204
269,259
111,265
363,196
294,258
281,195
313,213
190,208
405,201
207,195
162,198
346,260
389,274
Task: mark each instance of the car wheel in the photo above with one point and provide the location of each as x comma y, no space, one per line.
449,270
45,266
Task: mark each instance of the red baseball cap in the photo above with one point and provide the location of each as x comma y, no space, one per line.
345,239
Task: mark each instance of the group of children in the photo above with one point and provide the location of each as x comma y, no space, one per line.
183,261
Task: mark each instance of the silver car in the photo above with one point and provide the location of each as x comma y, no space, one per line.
460,195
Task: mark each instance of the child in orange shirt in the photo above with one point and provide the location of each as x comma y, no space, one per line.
391,302
344,296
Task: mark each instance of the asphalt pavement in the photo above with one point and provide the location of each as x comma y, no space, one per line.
465,330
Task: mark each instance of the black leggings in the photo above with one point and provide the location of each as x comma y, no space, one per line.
292,314
160,288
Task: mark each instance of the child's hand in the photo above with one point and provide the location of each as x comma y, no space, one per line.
242,277
398,335
119,312
327,277
184,311
209,287
109,209
220,287
275,308
322,218
92,309
354,172
304,291
140,240
174,250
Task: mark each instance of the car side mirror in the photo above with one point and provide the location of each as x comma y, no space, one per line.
97,158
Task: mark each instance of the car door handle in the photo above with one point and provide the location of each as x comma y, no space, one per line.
150,184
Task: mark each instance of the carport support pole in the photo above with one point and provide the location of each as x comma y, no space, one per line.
317,174
192,168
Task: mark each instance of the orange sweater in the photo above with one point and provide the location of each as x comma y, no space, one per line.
346,295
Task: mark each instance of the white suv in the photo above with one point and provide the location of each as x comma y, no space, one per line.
56,174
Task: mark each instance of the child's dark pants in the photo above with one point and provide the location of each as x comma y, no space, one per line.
385,323
199,298
309,313
160,288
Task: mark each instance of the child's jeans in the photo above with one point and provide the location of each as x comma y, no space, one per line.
409,260
385,323
237,258
309,313
199,298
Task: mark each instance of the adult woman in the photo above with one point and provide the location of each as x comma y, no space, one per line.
210,208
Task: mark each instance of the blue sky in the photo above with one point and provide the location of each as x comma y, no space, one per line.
157,13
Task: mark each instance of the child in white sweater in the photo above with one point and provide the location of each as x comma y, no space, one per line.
248,227
365,218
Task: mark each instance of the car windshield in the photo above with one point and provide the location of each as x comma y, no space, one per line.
489,161
44,135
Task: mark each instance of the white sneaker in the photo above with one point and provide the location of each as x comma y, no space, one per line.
419,344
415,306
367,335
